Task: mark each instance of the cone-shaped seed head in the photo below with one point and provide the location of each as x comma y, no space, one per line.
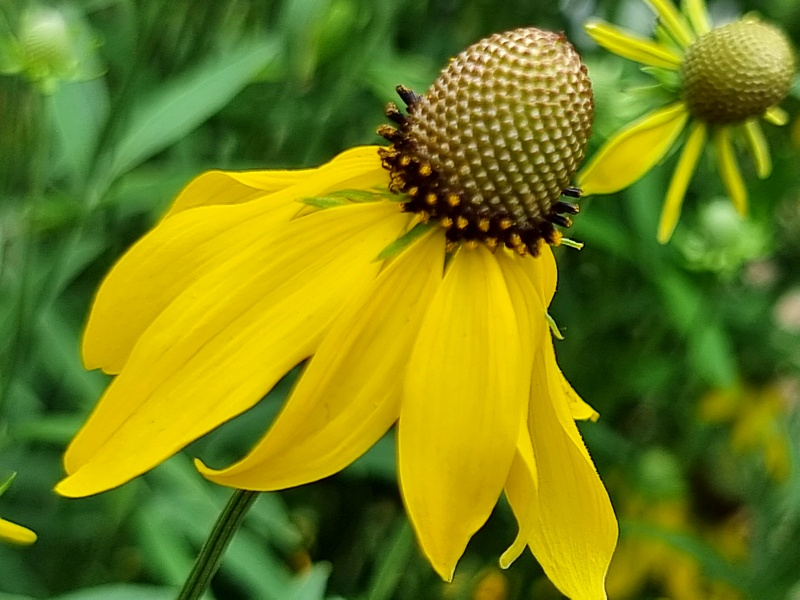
508,120
504,128
737,71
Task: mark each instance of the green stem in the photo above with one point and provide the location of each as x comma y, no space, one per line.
211,553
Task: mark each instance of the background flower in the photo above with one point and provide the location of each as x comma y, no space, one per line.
720,81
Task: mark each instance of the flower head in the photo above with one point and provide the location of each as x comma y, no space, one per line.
723,81
410,315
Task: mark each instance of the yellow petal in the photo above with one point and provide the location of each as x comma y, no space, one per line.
223,343
525,298
578,408
357,168
463,405
569,522
698,16
673,21
633,151
729,170
680,180
16,534
542,272
776,115
349,395
165,263
521,489
631,46
759,148
180,249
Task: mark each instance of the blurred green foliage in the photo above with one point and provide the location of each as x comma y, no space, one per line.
691,351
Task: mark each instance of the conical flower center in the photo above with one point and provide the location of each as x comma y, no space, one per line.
737,71
493,145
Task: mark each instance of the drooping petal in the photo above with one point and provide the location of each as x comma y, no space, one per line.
698,16
462,408
542,272
776,115
180,249
673,21
522,281
521,489
759,148
357,168
570,525
729,170
224,342
16,534
631,46
166,262
578,408
633,151
680,180
349,395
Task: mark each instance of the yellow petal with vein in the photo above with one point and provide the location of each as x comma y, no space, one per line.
680,180
633,151
673,21
729,170
180,249
16,534
357,168
463,406
570,524
349,395
759,148
224,342
164,264
521,489
631,46
542,272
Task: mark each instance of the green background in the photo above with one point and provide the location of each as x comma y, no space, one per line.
690,351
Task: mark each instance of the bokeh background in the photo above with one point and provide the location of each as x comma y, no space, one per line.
690,351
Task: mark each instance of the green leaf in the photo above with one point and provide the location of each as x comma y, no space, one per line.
121,592
324,202
4,485
310,585
343,197
712,356
79,111
393,561
400,244
180,106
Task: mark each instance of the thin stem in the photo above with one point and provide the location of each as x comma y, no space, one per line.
211,553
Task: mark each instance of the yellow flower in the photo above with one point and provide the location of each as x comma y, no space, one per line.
757,420
16,534
251,273
660,530
723,80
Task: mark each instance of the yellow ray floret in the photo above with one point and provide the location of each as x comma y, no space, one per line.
633,151
16,534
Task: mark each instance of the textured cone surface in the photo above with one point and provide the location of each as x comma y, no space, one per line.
737,71
494,143
508,120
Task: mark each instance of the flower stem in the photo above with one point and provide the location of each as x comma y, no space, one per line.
211,553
